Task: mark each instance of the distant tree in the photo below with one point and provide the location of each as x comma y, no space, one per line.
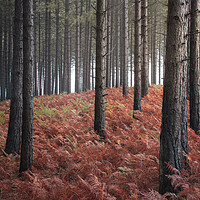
49,53
77,61
137,58
117,36
99,122
174,136
194,68
5,55
15,122
26,160
125,47
144,38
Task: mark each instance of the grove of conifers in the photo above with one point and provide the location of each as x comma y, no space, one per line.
52,47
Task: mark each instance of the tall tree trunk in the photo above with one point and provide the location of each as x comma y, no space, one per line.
35,50
26,160
117,37
137,58
5,55
108,50
10,50
57,47
194,68
15,122
40,66
154,48
131,56
77,61
46,49
145,61
174,136
99,122
49,53
125,47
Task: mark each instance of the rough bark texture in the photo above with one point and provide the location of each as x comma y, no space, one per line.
194,68
99,122
144,35
125,47
174,137
15,122
137,59
27,115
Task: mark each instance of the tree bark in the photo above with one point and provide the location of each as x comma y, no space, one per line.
15,122
125,47
49,53
137,58
77,61
174,136
1,58
194,68
145,61
99,122
26,160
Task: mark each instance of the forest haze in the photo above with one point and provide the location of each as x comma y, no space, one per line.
71,162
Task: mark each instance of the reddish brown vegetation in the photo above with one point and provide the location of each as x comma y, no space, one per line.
70,162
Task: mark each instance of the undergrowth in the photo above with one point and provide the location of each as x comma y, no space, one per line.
70,161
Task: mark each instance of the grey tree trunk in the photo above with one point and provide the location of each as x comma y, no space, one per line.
15,121
174,136
137,58
194,68
10,51
5,56
145,58
35,50
49,53
117,36
57,46
26,160
77,61
125,47
99,122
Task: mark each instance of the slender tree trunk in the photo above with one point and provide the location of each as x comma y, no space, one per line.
99,122
27,116
10,50
137,58
117,36
194,68
57,47
131,54
77,61
49,53
174,136
154,49
35,50
15,122
125,47
46,50
39,55
108,45
5,56
145,60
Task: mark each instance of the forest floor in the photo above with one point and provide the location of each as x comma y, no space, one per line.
71,162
